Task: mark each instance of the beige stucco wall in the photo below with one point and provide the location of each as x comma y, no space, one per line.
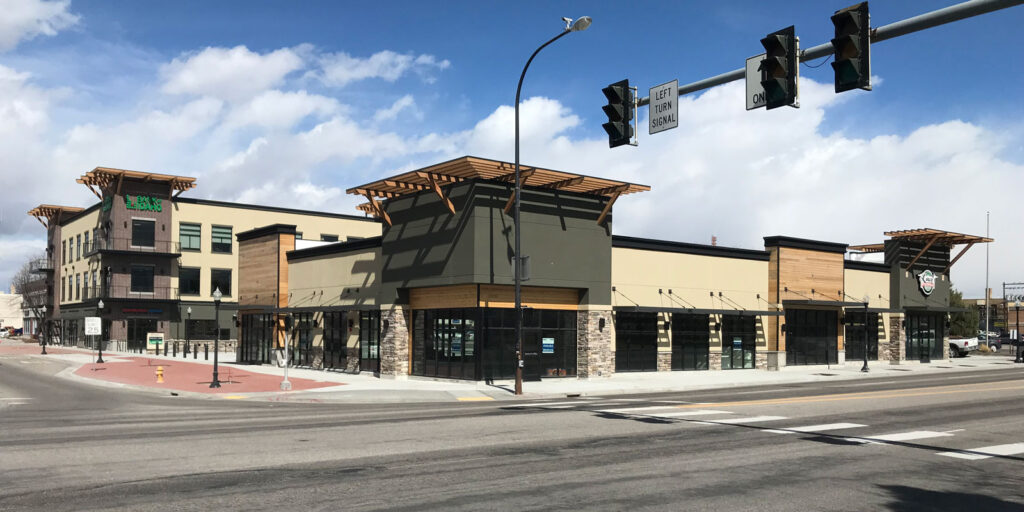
74,266
859,283
245,219
345,279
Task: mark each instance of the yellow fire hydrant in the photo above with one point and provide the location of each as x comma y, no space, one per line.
159,374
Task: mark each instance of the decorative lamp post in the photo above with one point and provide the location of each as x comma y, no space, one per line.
1019,339
44,329
188,323
99,311
865,367
570,26
215,383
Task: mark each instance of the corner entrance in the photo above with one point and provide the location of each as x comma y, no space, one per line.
137,329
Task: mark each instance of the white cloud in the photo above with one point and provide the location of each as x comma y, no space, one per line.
232,74
340,68
281,110
403,103
26,19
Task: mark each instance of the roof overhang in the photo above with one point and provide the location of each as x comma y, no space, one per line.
108,177
931,237
49,214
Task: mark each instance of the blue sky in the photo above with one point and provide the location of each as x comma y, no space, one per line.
338,94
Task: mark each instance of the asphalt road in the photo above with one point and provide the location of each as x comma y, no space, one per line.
931,442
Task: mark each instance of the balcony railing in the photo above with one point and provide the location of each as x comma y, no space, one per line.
126,292
41,265
127,245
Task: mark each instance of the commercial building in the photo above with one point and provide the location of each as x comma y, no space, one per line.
432,296
154,258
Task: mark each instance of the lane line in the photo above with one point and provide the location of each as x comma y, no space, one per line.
545,404
751,419
25,398
849,396
683,414
986,452
637,409
810,429
905,436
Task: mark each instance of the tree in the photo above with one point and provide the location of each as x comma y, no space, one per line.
965,324
33,288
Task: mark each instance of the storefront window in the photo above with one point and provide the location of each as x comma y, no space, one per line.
739,335
854,340
369,341
925,336
636,342
812,336
690,342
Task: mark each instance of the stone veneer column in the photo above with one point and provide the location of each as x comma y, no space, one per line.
897,339
595,355
394,346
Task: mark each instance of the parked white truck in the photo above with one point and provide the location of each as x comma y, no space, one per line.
959,347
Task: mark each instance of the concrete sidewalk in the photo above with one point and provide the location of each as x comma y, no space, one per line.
191,377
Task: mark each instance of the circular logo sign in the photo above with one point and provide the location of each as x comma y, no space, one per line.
926,281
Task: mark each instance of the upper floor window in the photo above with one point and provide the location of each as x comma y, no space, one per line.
71,288
190,236
142,278
78,247
298,235
87,242
143,232
188,281
78,286
220,241
328,238
220,278
63,252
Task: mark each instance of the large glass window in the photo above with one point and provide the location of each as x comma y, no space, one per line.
440,338
335,337
220,240
739,338
855,331
636,341
369,341
220,278
190,235
188,281
925,336
78,247
690,341
143,232
142,278
549,344
302,342
257,333
812,336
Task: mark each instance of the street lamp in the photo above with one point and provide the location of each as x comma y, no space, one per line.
99,312
570,26
187,323
44,329
865,367
1016,324
216,339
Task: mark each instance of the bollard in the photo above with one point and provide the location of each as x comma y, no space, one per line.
206,352
184,350
165,349
159,374
175,354
195,351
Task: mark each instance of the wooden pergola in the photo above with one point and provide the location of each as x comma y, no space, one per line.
49,214
930,237
106,177
473,168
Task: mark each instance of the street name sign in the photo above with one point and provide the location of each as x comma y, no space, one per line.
755,91
92,326
663,113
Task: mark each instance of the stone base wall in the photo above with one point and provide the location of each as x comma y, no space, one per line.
760,361
715,361
351,359
664,361
897,341
394,345
595,356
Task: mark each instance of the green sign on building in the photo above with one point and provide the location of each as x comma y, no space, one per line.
146,203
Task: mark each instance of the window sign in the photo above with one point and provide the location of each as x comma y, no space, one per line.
145,203
457,343
737,341
547,346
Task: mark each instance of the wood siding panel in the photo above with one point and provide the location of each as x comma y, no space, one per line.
461,296
803,270
499,296
258,270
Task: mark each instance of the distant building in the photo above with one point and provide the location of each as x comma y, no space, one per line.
10,310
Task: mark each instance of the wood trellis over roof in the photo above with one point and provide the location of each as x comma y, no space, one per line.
470,168
48,214
931,237
103,177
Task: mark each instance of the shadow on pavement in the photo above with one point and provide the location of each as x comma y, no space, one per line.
912,499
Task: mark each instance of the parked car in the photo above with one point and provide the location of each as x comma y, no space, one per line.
959,347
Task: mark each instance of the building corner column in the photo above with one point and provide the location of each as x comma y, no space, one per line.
595,339
394,345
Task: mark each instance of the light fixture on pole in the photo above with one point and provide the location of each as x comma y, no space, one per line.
187,324
570,26
865,367
99,313
44,330
215,383
1019,339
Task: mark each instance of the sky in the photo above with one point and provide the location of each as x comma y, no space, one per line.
291,103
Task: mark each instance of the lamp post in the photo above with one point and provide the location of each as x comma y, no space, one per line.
99,313
865,367
1016,324
215,383
44,329
188,323
570,26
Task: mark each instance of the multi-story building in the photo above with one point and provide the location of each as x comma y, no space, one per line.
154,258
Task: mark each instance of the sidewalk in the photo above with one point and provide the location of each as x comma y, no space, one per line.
191,377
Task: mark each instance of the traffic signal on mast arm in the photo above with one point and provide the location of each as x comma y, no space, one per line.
780,68
852,46
620,112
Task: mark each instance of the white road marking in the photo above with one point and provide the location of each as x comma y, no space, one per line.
15,399
544,404
906,436
986,452
751,419
683,414
816,428
637,409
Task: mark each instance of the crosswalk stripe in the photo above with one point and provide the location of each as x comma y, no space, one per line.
816,428
907,436
638,409
750,419
986,452
545,404
683,414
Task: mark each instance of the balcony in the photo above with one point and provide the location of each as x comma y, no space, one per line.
40,266
125,245
126,292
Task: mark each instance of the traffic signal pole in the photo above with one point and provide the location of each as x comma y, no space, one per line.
900,28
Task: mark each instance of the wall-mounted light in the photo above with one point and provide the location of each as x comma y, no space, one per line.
384,329
600,323
718,326
668,325
782,329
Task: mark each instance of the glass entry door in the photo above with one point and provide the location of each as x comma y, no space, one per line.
636,341
137,329
925,336
739,342
690,342
369,341
812,336
854,340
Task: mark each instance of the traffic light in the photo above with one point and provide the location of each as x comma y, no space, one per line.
779,69
620,112
852,46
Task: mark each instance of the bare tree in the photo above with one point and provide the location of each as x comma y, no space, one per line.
33,285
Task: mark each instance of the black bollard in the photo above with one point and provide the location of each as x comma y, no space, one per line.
206,352
195,351
175,349
165,349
